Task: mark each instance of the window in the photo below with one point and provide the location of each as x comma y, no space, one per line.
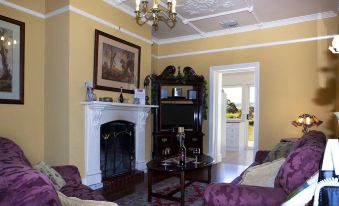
234,102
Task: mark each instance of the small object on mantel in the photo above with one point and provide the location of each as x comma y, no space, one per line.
121,98
106,99
90,96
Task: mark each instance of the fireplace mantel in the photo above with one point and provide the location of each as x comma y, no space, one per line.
98,113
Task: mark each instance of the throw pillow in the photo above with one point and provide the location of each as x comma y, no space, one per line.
300,165
263,174
73,201
52,174
281,150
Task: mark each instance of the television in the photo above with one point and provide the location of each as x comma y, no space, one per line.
177,115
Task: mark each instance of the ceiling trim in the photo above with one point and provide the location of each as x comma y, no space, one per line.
254,27
252,46
23,9
77,11
109,24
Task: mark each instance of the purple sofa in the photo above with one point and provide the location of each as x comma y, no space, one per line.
21,185
301,163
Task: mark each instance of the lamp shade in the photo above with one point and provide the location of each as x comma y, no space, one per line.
307,121
337,115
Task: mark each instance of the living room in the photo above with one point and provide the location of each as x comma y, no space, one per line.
298,74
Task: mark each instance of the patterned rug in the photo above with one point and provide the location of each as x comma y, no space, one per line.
193,195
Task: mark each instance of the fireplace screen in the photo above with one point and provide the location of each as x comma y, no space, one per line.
117,148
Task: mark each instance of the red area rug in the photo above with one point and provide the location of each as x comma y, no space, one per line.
193,195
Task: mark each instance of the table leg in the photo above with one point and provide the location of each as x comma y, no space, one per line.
182,184
149,178
209,174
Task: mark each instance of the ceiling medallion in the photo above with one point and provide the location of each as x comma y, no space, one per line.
197,6
155,14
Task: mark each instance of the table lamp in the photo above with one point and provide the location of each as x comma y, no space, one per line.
307,121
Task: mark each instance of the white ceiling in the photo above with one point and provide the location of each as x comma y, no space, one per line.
194,16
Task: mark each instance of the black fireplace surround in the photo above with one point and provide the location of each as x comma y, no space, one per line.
117,148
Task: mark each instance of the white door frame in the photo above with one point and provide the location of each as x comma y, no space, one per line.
215,88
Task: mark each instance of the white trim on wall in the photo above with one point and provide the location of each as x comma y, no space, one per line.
254,27
251,46
215,85
282,22
77,11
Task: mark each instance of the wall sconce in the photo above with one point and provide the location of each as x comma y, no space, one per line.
306,121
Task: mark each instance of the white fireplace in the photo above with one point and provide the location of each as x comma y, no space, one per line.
98,113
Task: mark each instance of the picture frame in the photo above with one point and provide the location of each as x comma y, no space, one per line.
116,63
12,52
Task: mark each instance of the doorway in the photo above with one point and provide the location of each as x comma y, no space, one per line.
243,119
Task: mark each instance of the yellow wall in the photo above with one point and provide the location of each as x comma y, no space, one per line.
25,123
295,78
57,90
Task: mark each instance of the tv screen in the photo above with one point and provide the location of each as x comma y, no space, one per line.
177,115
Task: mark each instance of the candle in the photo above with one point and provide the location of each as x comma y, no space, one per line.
174,3
181,129
137,5
156,3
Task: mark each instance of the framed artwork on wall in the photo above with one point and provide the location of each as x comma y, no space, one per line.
116,63
12,50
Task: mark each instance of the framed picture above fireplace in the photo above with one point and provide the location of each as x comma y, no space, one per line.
12,44
116,63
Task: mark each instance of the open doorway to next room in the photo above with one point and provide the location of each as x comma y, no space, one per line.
239,97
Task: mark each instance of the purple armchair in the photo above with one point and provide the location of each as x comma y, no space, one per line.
20,184
302,162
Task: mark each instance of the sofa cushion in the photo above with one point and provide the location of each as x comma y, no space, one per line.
81,191
73,201
223,194
27,186
281,150
52,174
311,138
11,153
300,165
263,174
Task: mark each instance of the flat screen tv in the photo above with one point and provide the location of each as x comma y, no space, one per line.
177,115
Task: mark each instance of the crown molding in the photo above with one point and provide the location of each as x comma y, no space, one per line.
107,23
264,25
23,9
277,43
74,10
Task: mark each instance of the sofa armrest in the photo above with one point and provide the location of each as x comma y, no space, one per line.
70,174
261,155
224,194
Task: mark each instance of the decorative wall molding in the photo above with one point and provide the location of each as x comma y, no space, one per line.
23,9
252,46
74,10
235,30
201,35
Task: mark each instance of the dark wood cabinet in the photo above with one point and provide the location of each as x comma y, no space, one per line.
177,110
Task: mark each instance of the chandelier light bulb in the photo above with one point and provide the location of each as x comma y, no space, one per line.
137,5
174,4
9,43
2,38
14,42
335,45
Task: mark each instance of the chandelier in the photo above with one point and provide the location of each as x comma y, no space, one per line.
155,14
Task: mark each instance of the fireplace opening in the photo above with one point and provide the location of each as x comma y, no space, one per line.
117,148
